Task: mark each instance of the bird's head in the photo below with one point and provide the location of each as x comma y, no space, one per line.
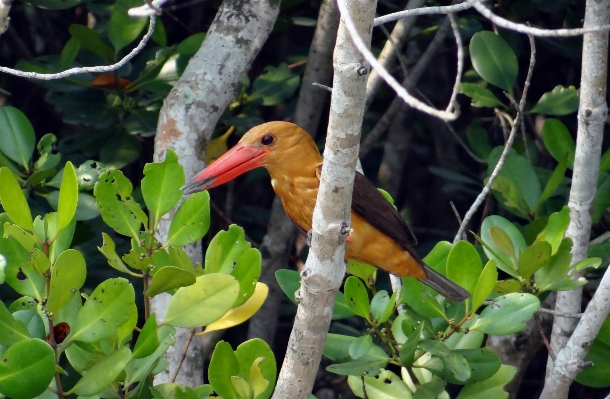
272,144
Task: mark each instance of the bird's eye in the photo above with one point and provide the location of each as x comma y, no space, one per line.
267,139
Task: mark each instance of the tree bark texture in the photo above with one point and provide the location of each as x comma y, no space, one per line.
325,267
592,114
5,7
187,120
277,243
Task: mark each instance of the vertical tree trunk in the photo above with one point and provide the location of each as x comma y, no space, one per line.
592,113
277,243
325,265
187,120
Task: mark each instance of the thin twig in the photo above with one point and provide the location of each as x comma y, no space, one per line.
460,63
393,83
421,11
322,86
189,338
507,147
80,70
455,212
401,59
528,30
544,338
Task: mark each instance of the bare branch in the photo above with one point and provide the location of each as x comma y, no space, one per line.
366,53
146,10
421,11
95,69
515,126
5,7
529,30
460,62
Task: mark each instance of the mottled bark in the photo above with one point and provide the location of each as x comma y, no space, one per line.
592,113
325,265
188,118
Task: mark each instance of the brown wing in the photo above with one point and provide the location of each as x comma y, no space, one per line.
372,206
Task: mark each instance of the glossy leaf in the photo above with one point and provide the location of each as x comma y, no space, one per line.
123,29
243,312
11,330
360,346
148,341
602,196
26,369
560,101
191,221
247,271
478,140
223,365
168,278
605,161
13,200
69,52
490,388
485,284
379,305
502,241
108,250
108,307
68,197
555,229
494,60
386,385
357,297
504,262
555,180
533,258
16,136
407,350
481,97
464,265
206,301
257,366
117,207
366,273
67,277
413,294
430,390
225,249
138,369
357,367
98,377
557,268
437,257
596,376
274,86
507,286
161,185
90,39
336,348
191,44
26,239
507,314
558,141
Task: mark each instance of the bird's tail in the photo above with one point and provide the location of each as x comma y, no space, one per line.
444,286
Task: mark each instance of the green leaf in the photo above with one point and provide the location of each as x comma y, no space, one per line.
26,369
494,60
336,348
507,314
502,241
505,262
68,197
123,29
533,258
26,239
360,346
430,390
69,52
605,161
257,364
596,376
555,180
148,341
16,136
11,330
481,97
117,207
108,307
560,101
191,221
161,185
437,257
225,249
90,39
67,277
386,385
490,388
206,301
364,271
169,278
19,272
13,199
247,271
412,293
357,297
458,366
520,172
108,250
485,284
358,367
507,286
102,374
159,35
275,86
593,263
478,140
557,268
137,369
223,366
602,196
558,141
407,350
555,228
464,265
191,44
380,304
483,363
54,4
32,321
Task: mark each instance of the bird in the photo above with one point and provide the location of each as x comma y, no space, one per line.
379,236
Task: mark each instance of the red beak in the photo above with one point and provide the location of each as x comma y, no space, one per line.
238,160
